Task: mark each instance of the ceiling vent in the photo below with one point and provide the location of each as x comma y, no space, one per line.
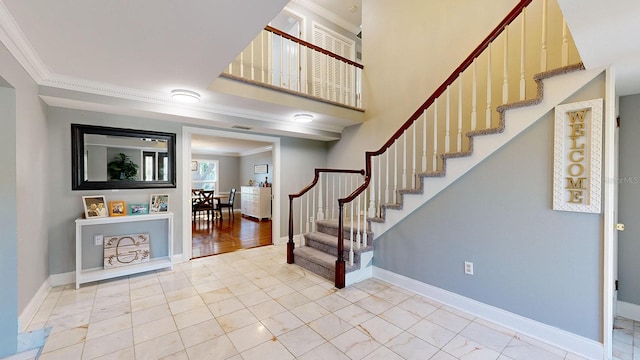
239,127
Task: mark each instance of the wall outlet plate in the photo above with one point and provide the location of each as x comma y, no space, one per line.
468,267
97,239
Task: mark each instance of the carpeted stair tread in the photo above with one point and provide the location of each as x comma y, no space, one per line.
332,242
319,262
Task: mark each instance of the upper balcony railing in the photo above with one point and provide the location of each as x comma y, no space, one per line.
278,60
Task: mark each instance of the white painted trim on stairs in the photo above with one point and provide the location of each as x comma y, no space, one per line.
556,90
33,306
365,272
565,340
628,310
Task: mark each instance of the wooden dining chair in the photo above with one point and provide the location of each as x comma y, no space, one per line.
203,201
228,204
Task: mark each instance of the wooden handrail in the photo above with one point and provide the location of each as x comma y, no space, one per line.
312,46
511,16
290,243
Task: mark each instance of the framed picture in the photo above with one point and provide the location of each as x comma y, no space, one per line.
117,208
94,206
260,169
194,166
138,209
159,203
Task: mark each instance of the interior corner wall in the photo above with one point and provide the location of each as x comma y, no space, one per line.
528,259
24,244
628,200
408,49
299,158
66,204
8,223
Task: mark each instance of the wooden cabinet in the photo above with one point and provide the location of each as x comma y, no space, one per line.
85,226
256,201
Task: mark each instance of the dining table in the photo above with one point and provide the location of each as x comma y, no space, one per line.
217,197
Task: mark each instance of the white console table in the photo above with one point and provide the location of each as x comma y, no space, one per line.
95,274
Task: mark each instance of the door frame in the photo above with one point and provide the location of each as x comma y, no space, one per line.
610,212
187,132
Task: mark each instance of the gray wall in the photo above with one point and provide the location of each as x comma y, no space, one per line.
528,259
629,200
8,224
67,204
246,167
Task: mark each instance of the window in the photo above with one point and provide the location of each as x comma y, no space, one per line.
205,176
154,165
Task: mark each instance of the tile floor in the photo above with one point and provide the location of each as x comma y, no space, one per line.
626,339
250,304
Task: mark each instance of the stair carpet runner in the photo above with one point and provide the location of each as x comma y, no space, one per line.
321,250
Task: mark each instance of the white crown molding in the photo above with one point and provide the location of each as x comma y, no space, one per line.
320,11
15,41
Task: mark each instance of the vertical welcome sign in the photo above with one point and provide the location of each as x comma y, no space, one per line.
578,157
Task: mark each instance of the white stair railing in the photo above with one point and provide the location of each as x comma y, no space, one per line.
284,61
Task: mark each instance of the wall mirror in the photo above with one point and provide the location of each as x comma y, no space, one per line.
115,158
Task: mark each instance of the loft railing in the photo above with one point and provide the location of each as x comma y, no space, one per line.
282,61
532,38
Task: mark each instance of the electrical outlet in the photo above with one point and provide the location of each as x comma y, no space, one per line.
468,267
97,239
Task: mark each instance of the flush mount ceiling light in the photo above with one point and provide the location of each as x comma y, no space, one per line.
303,118
185,96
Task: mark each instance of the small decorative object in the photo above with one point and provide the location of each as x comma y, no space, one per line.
123,250
260,169
266,181
94,206
122,168
117,208
194,166
159,203
250,182
138,209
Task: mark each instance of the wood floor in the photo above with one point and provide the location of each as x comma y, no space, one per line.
227,235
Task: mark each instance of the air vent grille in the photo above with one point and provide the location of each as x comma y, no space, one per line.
239,127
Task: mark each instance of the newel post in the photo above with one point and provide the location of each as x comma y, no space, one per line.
290,244
340,263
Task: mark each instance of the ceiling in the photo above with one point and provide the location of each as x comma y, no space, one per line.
125,57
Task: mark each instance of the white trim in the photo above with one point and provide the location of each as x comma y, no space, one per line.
281,241
610,211
33,306
563,339
628,310
365,272
187,131
62,279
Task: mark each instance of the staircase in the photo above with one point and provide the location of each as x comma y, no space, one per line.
337,224
320,253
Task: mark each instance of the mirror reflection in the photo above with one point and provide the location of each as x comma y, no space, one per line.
113,158
119,158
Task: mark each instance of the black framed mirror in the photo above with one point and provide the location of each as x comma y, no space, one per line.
115,158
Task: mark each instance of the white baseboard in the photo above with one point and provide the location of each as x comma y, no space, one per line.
628,310
34,304
565,340
62,279
281,241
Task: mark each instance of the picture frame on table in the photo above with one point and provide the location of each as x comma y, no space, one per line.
117,208
138,208
158,203
94,206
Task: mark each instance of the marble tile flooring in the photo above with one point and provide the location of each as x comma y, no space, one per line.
250,304
626,339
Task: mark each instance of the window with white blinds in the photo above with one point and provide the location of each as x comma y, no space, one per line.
332,79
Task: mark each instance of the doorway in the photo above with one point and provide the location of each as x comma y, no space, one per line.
229,225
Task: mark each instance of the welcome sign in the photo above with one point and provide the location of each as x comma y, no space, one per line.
578,157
